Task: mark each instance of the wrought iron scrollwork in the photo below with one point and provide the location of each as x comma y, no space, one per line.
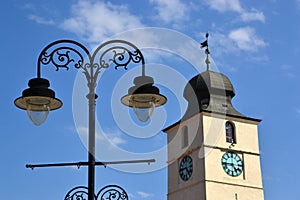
62,54
121,57
109,192
65,53
61,58
91,72
112,192
77,193
120,53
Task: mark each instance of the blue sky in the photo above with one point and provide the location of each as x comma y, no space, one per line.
255,43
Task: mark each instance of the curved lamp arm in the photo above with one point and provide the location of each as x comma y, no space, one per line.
122,55
64,53
64,56
60,56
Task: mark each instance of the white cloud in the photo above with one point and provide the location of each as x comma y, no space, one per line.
170,11
222,43
235,6
41,20
253,15
225,5
285,67
288,70
82,131
28,6
237,42
95,21
246,39
144,194
298,3
114,137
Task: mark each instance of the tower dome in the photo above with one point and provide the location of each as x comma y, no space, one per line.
216,82
211,92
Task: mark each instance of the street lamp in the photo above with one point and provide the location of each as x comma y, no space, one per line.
38,99
143,97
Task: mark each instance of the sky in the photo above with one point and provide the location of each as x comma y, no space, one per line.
254,43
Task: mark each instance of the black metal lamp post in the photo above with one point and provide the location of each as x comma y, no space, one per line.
38,99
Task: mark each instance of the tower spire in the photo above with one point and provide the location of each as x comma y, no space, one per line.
207,52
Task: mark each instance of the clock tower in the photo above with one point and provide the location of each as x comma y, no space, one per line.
213,151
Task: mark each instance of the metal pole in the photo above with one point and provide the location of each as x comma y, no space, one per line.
91,154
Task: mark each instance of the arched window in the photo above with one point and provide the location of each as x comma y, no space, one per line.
184,137
230,132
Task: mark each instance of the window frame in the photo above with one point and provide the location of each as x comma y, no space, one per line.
184,137
230,135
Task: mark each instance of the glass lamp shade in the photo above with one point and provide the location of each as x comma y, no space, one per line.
143,107
143,97
38,100
143,114
143,104
39,116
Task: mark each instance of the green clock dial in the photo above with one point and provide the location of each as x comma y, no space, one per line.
232,164
186,168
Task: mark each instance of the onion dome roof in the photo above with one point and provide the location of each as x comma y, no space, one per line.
212,92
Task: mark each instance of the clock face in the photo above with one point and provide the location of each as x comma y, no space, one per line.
186,168
232,164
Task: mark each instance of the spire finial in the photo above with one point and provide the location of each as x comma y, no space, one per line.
207,52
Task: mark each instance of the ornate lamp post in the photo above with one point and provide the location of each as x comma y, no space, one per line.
38,99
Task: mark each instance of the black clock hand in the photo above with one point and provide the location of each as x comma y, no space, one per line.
235,170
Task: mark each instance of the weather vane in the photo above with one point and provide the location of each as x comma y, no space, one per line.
207,52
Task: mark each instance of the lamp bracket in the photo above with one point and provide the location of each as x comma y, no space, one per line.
68,53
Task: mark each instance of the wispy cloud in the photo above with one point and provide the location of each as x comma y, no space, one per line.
236,40
170,11
28,6
246,39
221,42
253,16
225,5
41,20
285,67
235,6
114,137
94,21
288,71
144,195
298,3
82,131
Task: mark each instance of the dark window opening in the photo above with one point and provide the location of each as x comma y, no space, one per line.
230,133
185,137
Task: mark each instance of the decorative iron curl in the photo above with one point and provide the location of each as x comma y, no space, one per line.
121,57
109,192
77,193
91,72
112,192
61,58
